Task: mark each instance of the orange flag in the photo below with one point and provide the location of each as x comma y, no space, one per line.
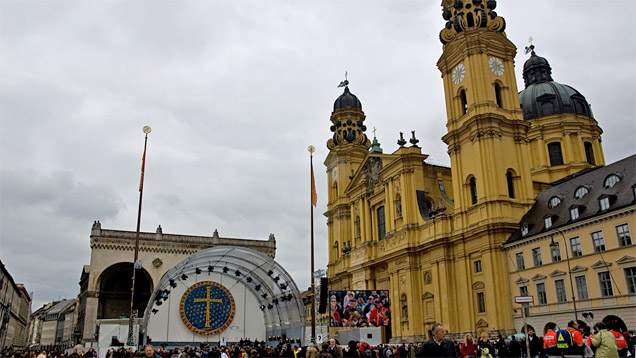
314,196
143,167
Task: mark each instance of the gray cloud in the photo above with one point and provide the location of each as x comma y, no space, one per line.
235,91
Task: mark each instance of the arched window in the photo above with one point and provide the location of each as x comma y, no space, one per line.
589,153
511,186
611,180
473,190
498,95
554,201
554,150
462,96
580,192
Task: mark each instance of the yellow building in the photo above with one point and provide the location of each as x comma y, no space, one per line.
433,235
575,248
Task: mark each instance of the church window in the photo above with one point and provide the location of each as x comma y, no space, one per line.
580,192
381,223
462,96
481,302
511,187
473,190
498,95
554,150
611,180
589,153
478,266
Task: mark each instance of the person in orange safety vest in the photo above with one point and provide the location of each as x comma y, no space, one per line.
550,340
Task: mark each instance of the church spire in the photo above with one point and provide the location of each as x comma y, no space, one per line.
348,120
468,15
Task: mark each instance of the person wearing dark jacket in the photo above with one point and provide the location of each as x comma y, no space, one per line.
438,346
324,351
535,343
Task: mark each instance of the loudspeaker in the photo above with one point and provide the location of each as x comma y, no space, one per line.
324,293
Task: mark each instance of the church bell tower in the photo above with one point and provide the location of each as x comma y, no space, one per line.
487,137
487,142
348,147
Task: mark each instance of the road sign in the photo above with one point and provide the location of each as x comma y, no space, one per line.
524,299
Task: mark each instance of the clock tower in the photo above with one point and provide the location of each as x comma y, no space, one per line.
489,153
487,137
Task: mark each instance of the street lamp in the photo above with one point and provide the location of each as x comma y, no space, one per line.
553,248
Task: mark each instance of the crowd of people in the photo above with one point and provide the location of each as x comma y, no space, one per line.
603,340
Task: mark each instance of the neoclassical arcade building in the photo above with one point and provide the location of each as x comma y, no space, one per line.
105,283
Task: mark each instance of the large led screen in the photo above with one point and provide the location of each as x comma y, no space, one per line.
370,308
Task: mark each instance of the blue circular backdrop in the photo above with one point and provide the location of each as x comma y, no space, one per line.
207,308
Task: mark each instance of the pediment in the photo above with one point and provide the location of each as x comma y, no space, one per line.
481,324
539,277
557,273
521,281
626,260
578,268
428,295
601,265
478,286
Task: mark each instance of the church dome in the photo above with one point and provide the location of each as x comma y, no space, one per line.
347,99
544,97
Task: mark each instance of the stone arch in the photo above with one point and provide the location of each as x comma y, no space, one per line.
114,284
616,322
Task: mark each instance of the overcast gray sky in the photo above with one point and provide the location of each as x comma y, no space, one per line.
235,91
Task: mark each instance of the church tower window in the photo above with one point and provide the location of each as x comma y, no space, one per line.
473,190
589,153
554,150
498,95
462,96
511,187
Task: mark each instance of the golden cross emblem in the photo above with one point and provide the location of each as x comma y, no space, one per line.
208,300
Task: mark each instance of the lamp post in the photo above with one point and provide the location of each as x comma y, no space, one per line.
553,247
137,262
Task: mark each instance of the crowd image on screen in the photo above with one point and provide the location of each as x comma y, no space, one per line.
359,308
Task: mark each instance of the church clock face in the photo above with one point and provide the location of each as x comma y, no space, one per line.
496,66
458,73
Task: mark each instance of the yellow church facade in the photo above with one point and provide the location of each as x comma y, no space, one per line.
433,235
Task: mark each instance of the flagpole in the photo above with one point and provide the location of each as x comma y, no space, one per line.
131,320
311,150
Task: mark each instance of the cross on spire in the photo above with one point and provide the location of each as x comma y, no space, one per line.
344,83
530,48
